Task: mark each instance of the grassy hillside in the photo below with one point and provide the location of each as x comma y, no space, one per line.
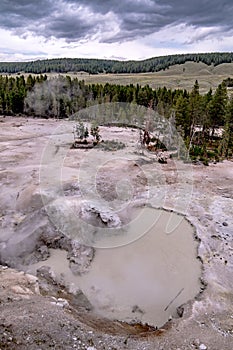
179,76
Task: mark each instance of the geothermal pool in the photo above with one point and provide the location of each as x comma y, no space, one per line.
142,281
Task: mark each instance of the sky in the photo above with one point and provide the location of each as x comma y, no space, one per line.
113,29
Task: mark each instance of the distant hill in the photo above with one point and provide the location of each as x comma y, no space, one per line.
96,66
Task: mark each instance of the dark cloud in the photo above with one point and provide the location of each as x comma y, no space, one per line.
75,20
143,17
68,27
201,12
18,13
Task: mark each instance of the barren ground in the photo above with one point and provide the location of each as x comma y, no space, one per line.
39,312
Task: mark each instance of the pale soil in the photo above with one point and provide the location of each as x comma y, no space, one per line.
32,316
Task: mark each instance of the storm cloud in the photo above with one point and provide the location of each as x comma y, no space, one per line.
112,20
130,29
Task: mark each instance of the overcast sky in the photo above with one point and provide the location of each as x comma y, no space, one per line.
118,29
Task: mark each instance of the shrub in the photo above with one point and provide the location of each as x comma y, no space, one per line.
111,145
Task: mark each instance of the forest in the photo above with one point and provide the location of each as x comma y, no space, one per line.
95,66
205,122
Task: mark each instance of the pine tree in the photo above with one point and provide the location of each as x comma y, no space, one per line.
217,107
80,130
182,116
194,108
86,133
226,146
95,132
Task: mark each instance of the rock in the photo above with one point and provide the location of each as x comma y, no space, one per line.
209,216
137,309
61,242
21,245
180,311
162,160
80,258
29,199
196,343
45,273
70,189
111,220
80,300
100,215
82,220
43,252
202,347
22,291
225,223
62,302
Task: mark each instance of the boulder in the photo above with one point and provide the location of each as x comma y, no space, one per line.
95,212
80,258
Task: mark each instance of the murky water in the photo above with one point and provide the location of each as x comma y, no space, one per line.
145,280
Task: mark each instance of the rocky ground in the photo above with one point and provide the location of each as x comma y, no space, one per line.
40,312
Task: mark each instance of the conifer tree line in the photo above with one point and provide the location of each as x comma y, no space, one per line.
95,66
197,117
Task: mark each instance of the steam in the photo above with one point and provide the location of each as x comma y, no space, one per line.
56,97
